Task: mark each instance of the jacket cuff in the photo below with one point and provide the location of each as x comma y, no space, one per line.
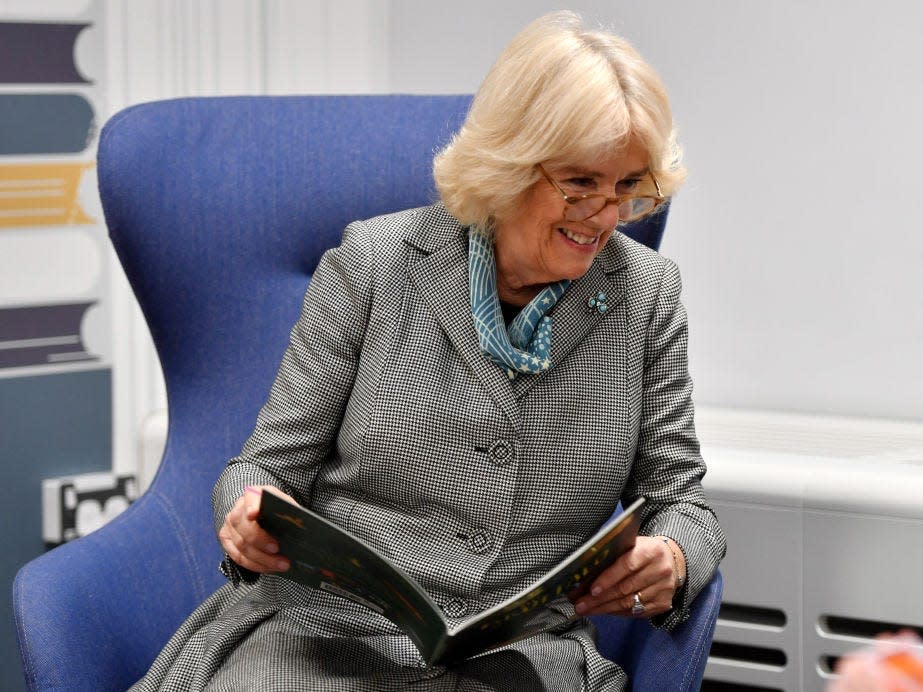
678,614
235,573
702,555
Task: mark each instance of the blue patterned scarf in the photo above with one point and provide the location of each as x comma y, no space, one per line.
526,346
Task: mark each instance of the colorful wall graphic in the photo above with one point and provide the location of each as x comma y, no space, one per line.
55,331
39,53
45,124
41,194
41,335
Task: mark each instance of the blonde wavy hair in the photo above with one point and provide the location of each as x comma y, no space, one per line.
557,94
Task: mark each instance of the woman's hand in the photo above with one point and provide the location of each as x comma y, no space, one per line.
245,542
647,569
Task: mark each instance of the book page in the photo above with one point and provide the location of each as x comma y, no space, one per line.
526,613
326,557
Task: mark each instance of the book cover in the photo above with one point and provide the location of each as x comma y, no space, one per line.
326,557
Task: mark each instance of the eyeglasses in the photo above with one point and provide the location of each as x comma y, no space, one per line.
631,206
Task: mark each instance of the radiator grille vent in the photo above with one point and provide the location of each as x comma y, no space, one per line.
751,649
828,664
856,628
836,625
738,613
744,653
719,686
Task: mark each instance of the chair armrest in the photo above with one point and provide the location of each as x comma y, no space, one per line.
93,614
659,660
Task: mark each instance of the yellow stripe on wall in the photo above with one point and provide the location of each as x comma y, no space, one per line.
41,194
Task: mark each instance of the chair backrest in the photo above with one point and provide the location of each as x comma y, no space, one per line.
219,210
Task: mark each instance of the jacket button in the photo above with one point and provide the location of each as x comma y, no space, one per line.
455,608
502,452
479,542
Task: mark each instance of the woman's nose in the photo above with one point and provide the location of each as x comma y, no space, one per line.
607,217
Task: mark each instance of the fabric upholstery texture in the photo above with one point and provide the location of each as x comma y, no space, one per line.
219,209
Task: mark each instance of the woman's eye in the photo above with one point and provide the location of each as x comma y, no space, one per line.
581,183
629,185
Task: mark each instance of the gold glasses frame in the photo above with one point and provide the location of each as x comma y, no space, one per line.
575,203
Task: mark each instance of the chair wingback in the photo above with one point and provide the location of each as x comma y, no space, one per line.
219,210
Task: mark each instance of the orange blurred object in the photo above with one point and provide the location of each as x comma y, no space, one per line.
908,663
894,663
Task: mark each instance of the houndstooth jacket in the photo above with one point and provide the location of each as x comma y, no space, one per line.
387,418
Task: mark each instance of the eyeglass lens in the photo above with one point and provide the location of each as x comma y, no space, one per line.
629,210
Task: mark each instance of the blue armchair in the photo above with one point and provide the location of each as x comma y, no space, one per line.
219,209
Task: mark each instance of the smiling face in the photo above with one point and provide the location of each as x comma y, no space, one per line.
537,246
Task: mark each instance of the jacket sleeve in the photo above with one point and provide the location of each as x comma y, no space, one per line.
668,467
297,427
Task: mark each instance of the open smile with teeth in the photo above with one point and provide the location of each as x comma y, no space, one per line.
579,238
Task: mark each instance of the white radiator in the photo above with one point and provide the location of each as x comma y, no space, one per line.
824,518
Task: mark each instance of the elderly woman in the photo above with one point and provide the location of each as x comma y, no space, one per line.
471,388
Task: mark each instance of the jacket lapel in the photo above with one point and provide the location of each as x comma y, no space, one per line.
440,274
573,317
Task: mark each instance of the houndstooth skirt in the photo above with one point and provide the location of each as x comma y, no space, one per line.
278,636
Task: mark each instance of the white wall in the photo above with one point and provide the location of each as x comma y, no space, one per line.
797,232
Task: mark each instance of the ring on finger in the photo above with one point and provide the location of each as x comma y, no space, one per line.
637,605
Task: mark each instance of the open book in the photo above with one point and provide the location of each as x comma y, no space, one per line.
326,557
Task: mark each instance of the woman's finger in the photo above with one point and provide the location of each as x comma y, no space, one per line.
657,574
247,555
632,570
247,543
646,569
656,596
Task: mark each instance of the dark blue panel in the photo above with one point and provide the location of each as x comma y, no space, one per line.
45,124
50,425
42,335
39,53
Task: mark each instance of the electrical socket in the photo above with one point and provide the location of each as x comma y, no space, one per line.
73,506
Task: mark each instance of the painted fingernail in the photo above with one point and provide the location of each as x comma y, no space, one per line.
596,590
282,565
580,608
272,548
251,489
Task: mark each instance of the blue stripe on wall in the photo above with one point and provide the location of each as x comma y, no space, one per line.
45,124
